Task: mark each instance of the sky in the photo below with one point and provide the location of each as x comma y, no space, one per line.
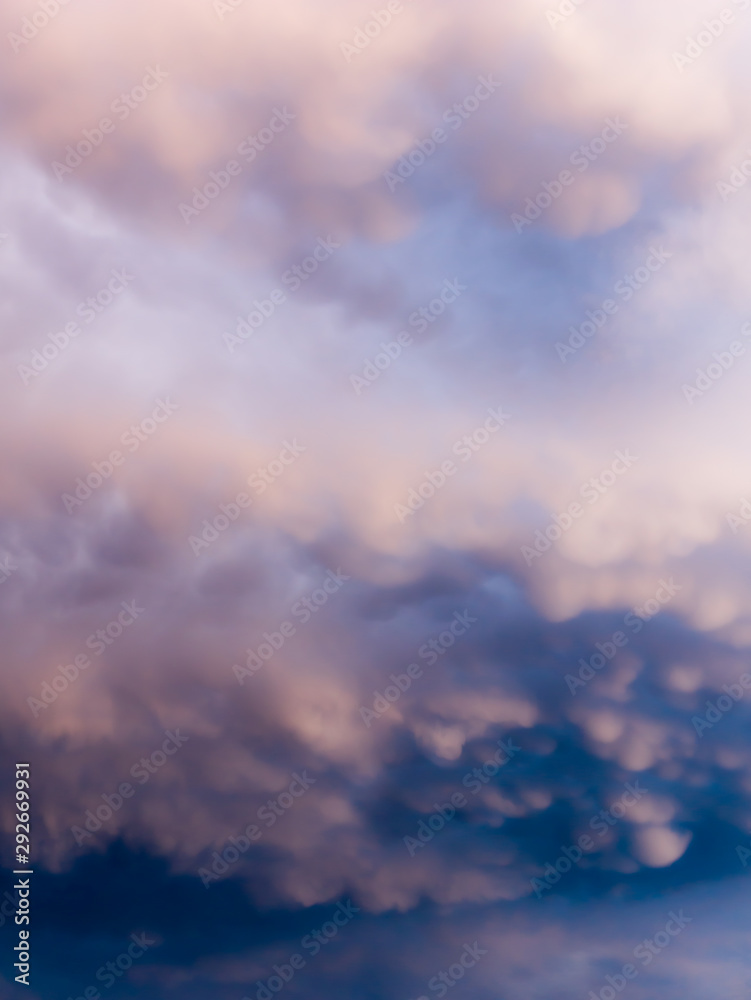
375,558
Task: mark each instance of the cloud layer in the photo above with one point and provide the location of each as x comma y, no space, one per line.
373,395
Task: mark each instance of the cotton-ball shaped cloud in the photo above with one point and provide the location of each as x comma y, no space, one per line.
659,846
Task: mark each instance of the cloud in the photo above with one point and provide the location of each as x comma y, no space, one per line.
403,491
